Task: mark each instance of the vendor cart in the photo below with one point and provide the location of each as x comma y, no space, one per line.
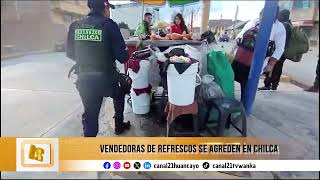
165,107
172,112
133,42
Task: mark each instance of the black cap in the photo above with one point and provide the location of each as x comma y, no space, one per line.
284,14
99,4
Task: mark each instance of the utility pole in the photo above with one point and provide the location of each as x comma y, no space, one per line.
205,15
268,17
234,23
191,20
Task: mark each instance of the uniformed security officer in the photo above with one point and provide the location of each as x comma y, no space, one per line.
95,42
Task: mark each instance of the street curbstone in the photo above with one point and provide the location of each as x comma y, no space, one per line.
17,55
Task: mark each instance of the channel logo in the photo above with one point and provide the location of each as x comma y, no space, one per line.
147,165
116,165
126,165
37,154
107,165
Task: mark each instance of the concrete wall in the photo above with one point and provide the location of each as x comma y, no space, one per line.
35,25
302,14
314,35
25,37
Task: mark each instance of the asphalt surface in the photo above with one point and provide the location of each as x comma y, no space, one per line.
37,99
304,71
36,94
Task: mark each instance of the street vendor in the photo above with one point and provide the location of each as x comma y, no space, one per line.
144,27
179,25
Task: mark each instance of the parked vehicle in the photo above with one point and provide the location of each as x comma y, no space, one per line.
60,47
224,38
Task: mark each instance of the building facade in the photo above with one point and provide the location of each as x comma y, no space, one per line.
235,29
36,25
220,25
304,15
132,14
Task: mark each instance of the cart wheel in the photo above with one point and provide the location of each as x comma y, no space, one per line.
153,97
129,101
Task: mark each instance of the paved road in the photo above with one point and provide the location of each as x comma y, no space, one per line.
305,71
36,94
38,99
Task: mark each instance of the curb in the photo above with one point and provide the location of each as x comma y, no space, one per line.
16,55
294,82
299,84
283,78
288,79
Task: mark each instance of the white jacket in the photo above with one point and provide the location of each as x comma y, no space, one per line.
278,35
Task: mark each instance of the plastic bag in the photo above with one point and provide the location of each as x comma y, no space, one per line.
205,49
220,67
156,54
154,74
208,90
190,50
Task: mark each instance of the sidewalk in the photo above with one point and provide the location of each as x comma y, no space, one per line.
293,121
16,55
303,73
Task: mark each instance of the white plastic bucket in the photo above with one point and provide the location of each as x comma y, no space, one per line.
141,103
141,79
181,87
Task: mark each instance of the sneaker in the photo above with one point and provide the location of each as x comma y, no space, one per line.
264,88
120,130
274,88
312,89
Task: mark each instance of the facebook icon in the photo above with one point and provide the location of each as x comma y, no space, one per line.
107,165
147,165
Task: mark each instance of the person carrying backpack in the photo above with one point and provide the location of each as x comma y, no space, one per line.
272,79
246,40
315,87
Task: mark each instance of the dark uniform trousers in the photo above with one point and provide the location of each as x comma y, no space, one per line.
92,90
274,79
316,81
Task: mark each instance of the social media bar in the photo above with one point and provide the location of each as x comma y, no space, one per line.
199,165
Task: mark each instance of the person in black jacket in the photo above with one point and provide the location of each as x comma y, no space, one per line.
272,79
95,43
315,87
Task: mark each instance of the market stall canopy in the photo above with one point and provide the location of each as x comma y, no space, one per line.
152,2
163,2
181,2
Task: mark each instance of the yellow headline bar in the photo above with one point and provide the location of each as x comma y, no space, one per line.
8,154
26,154
101,148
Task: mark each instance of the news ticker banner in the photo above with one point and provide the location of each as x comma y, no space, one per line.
146,154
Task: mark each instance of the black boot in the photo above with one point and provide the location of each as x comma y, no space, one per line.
121,128
312,89
264,88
